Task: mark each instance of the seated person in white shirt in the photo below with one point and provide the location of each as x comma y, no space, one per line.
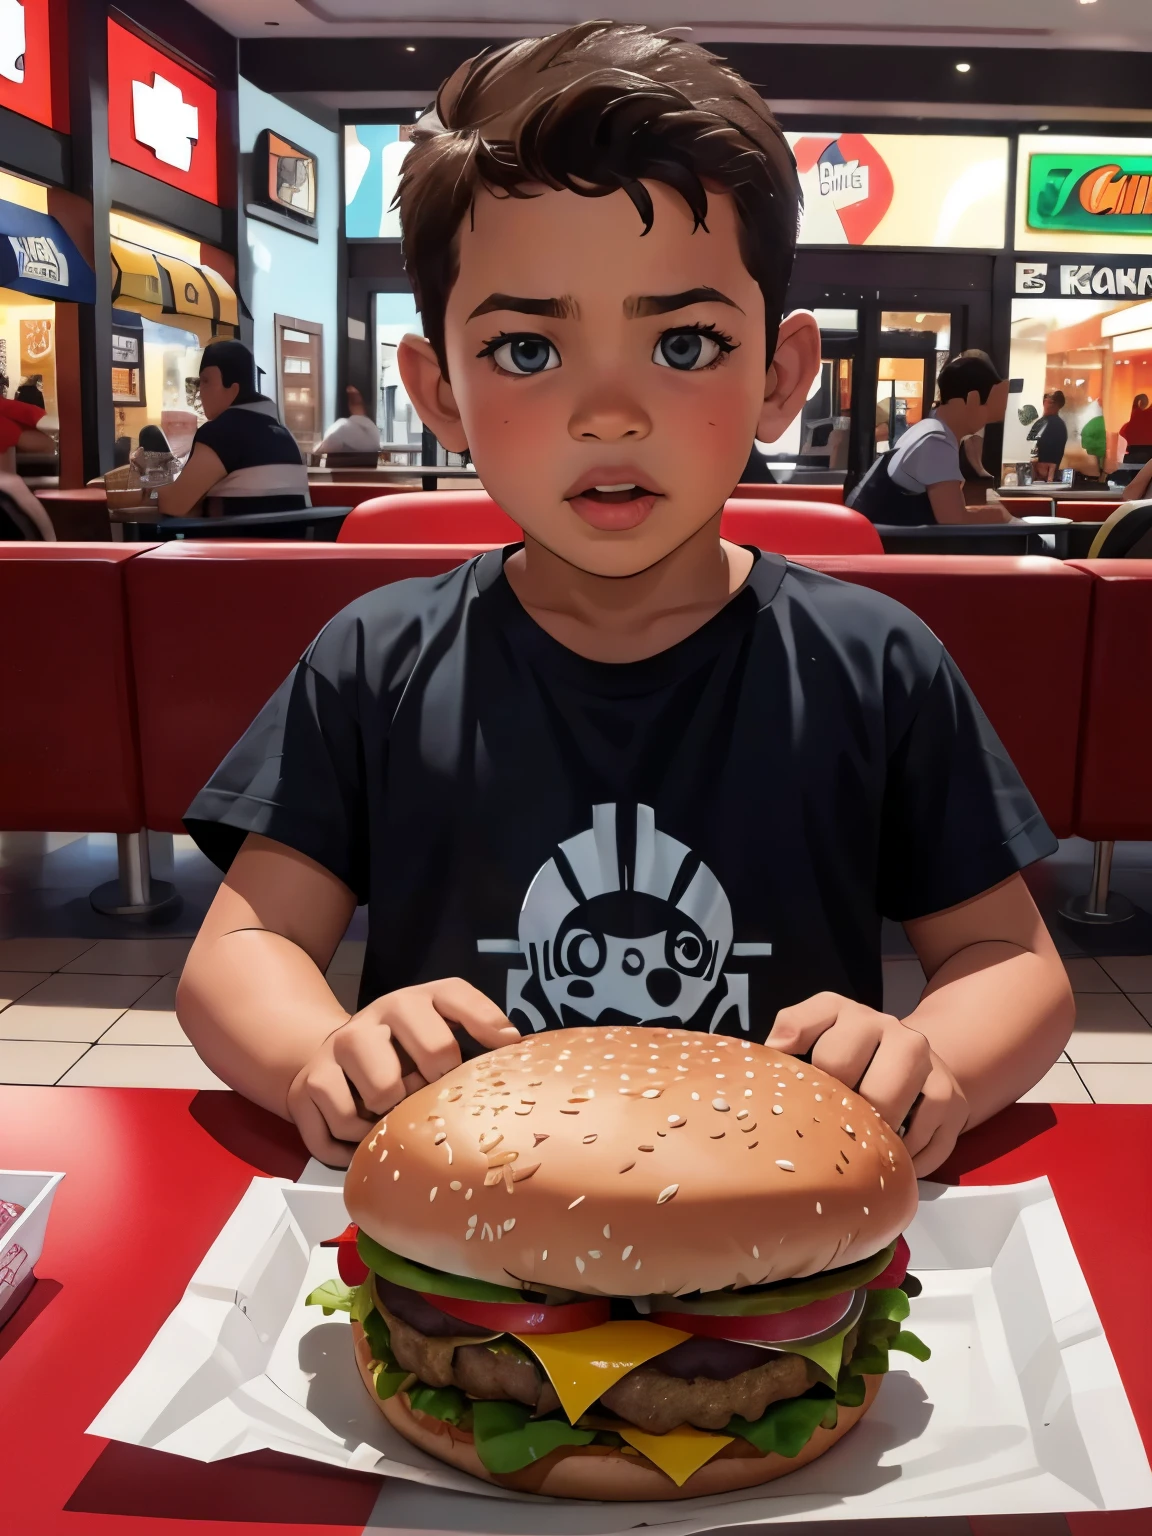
354,433
921,481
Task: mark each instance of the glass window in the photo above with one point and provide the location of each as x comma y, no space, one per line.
1097,355
373,155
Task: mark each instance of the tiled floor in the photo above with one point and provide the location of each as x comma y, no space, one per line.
91,1001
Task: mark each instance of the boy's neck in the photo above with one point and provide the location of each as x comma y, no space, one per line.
628,618
954,415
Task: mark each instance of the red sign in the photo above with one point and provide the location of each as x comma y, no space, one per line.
161,116
25,61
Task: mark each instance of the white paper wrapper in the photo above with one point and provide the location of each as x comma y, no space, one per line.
1020,1410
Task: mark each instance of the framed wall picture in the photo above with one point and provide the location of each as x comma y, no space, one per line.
283,184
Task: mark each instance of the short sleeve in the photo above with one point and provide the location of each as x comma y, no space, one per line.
931,460
220,436
296,776
957,818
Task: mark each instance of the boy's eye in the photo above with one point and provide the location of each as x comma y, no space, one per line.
688,351
523,354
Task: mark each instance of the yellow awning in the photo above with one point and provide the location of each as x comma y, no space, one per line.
134,277
191,294
225,296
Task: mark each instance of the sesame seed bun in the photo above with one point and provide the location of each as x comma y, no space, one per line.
633,1161
599,1471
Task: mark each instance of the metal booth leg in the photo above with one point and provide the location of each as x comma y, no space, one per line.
134,893
1098,906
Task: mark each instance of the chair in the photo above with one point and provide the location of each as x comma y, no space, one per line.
472,517
15,524
316,524
1126,535
350,460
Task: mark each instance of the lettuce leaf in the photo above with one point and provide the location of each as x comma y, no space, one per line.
447,1403
508,1438
436,1282
333,1296
879,1333
787,1427
785,1294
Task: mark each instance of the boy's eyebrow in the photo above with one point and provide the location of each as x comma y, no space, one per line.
663,303
563,308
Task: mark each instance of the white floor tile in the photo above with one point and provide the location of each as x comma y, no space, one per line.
1119,1084
14,984
25,1022
903,984
1131,973
1059,1085
36,1061
40,954
146,1026
160,995
132,957
140,1066
1106,1010
348,959
1086,975
1121,1045
67,989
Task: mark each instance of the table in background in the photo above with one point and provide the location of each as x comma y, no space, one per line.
152,1176
140,525
80,514
1051,537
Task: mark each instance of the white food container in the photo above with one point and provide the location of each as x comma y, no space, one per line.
22,1242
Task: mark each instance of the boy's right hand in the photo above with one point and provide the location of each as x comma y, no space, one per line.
395,1045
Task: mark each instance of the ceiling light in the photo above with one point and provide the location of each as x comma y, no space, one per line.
962,69
409,47
1087,2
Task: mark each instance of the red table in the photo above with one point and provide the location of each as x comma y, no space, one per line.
152,1176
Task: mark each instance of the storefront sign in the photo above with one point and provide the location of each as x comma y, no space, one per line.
1090,192
161,116
25,59
39,259
902,189
1084,279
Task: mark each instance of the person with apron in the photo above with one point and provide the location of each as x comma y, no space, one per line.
920,482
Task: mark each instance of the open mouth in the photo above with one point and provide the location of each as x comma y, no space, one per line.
615,495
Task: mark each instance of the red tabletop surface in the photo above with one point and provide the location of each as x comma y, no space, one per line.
153,1174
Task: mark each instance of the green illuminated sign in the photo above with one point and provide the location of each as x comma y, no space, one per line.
1112,193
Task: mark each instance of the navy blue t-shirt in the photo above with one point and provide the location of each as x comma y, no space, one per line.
699,838
265,472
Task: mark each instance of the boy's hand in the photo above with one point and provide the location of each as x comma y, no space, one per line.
888,1062
395,1045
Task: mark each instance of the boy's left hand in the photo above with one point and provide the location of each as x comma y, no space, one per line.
886,1061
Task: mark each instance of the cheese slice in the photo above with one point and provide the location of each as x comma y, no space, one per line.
584,1364
680,1452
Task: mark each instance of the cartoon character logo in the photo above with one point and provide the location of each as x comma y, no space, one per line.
847,188
13,41
625,925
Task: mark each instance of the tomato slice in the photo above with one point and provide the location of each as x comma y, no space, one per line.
895,1272
526,1317
350,1266
799,1323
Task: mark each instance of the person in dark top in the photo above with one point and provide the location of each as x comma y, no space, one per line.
1050,434
242,459
921,480
625,771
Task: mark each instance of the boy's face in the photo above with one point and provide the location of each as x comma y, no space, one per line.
584,354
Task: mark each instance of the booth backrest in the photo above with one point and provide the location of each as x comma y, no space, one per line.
1087,511
68,746
1017,627
351,493
217,626
802,526
1114,794
788,492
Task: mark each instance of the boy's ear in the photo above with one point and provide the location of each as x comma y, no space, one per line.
790,375
430,392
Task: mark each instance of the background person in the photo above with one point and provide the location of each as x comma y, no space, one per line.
1050,434
242,459
920,480
354,433
1137,432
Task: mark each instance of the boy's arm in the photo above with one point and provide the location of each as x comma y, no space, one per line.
254,1002
998,1008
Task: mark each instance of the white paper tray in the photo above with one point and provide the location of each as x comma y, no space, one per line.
22,1242
1020,1410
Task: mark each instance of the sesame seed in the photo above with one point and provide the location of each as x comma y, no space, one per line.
384,1154
749,1074
575,1202
719,1075
881,1181
544,1255
715,1135
721,1105
755,1251
696,1096
607,1231
473,1219
486,1232
580,1265
395,1174
645,1147
848,1131
799,1075
782,1162
467,1194
651,1093
819,1209
510,1223
777,1109
742,1114
626,1167
666,1193
675,1119
865,1210
593,1253
588,1140
637,1264
471,1232
455,1185
651,1071
752,1144
626,1253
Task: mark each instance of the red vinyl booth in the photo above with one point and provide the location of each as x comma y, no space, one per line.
216,627
1017,627
69,759
789,492
456,517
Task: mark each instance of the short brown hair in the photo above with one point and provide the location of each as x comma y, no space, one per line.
597,108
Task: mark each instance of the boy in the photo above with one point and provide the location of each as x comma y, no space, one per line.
921,480
627,771
1050,434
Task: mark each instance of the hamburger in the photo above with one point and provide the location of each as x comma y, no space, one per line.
627,1263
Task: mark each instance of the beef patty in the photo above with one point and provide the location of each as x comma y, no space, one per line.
647,1397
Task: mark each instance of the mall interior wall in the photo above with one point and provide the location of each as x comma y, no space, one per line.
282,272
